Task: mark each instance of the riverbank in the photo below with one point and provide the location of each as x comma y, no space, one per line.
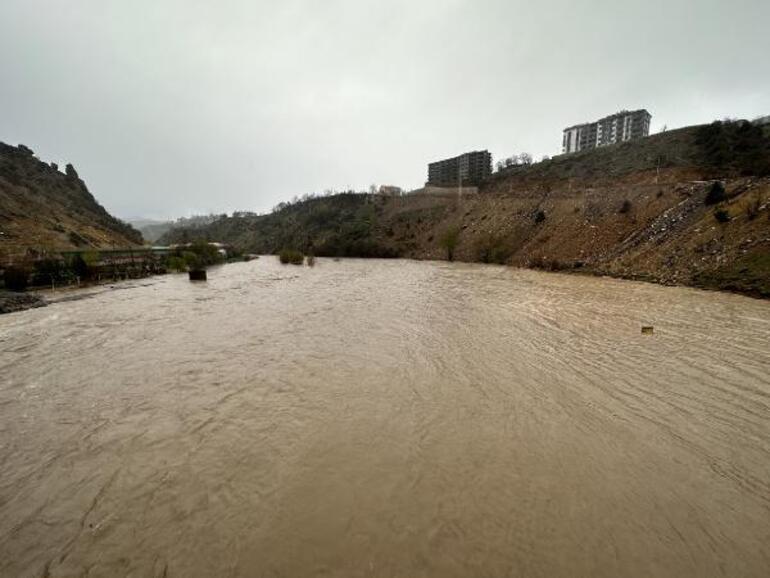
13,302
653,227
659,209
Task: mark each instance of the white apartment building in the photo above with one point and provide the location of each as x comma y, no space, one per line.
623,126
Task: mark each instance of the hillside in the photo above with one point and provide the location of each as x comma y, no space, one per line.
635,210
42,208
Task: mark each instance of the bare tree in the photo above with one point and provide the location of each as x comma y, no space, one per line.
525,159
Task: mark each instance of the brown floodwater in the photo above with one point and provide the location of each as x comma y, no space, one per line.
385,418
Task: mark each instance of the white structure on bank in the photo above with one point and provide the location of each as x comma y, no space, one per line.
623,126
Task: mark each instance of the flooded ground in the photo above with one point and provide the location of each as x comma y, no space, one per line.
386,418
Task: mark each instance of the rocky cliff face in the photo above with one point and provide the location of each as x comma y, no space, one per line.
42,208
636,210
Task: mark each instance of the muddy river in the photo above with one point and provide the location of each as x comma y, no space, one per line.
385,418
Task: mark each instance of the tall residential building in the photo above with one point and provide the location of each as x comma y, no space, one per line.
470,169
623,126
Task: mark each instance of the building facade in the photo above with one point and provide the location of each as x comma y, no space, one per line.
620,127
467,169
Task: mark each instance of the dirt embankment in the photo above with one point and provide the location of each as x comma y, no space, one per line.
648,226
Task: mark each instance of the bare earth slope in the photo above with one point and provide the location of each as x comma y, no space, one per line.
635,210
42,208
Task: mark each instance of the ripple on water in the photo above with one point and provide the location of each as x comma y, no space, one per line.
383,418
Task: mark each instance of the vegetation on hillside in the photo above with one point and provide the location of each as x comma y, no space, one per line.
196,255
739,146
42,208
748,274
449,239
341,225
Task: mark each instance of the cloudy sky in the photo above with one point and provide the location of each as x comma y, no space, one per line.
173,107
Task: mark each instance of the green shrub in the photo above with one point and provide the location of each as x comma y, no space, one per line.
540,262
539,216
625,207
16,278
493,249
49,271
716,194
449,240
206,254
176,263
80,267
192,260
291,256
722,216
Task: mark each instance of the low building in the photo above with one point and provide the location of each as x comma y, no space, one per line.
390,191
468,169
620,127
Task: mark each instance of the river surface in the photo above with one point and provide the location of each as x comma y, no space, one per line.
385,418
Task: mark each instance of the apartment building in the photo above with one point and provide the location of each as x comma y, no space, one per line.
623,126
469,169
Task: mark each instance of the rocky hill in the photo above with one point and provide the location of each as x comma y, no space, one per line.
42,208
690,206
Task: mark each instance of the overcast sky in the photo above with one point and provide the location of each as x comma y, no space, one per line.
173,107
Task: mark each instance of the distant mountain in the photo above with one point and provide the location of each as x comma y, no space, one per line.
42,208
157,231
151,229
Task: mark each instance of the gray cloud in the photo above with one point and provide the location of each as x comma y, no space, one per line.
167,107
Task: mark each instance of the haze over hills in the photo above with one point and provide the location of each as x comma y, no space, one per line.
42,208
153,229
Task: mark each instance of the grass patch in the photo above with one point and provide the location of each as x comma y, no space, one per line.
291,257
750,274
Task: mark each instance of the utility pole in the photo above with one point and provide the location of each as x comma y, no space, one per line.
459,181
